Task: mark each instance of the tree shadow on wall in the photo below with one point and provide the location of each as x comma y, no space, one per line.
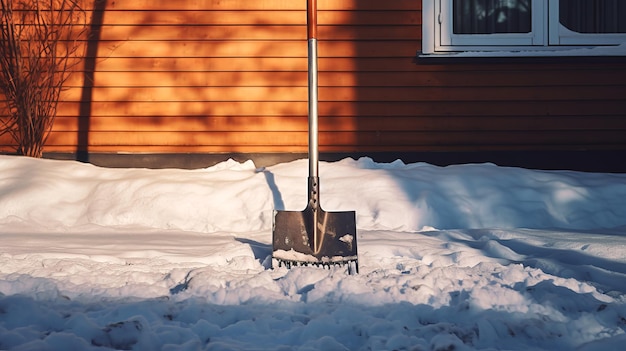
91,56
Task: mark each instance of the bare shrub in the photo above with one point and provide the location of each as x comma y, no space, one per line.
39,43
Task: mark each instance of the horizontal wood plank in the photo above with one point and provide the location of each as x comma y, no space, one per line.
136,78
259,17
299,123
340,64
253,48
254,32
216,149
472,109
343,139
348,94
217,5
257,64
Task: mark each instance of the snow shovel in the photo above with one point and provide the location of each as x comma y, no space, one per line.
314,236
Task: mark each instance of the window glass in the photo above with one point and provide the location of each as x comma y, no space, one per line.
516,27
491,16
593,16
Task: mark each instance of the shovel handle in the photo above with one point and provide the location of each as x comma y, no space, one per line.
312,83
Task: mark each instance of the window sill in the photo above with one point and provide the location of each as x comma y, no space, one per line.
590,52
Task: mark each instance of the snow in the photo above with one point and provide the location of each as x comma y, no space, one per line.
464,257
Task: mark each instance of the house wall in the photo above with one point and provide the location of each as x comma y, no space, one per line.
230,76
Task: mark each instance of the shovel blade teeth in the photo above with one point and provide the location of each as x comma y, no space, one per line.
352,266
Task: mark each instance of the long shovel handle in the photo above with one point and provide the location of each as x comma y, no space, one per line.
312,84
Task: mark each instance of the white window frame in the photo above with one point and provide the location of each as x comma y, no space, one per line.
548,36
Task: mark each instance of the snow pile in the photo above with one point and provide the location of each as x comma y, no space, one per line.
467,257
238,197
71,194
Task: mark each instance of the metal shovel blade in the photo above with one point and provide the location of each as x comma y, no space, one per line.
314,236
296,242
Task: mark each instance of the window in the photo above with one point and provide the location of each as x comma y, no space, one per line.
508,27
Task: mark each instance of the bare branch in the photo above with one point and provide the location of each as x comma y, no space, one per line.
39,45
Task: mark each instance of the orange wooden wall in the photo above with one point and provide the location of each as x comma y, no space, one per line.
216,76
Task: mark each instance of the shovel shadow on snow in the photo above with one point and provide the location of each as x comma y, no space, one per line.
263,252
277,197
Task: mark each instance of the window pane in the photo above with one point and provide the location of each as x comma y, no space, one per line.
491,16
593,16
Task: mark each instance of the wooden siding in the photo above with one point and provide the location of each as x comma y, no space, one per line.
215,76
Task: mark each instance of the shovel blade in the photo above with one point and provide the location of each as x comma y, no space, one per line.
315,237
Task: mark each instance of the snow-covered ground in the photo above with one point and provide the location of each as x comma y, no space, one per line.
466,257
